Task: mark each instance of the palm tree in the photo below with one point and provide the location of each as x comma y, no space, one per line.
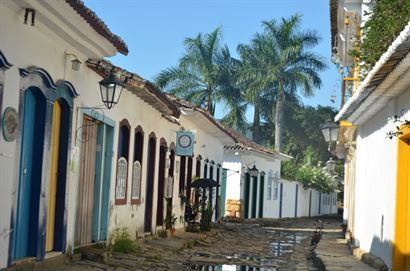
251,80
195,77
283,64
231,92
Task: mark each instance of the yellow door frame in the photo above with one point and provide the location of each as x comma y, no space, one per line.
51,206
401,252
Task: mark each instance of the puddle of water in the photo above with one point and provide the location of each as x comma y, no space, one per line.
226,267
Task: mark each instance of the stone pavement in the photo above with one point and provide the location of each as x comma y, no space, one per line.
335,255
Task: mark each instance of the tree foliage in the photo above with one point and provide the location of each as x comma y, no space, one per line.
316,177
387,19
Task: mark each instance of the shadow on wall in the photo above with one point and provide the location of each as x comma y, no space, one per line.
380,255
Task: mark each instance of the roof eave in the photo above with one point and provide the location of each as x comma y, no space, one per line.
388,64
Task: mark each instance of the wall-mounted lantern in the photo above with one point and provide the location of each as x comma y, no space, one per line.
330,132
111,89
75,63
254,171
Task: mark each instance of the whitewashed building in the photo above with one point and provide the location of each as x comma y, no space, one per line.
255,189
72,171
376,167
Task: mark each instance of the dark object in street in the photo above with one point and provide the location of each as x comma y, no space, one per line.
204,183
317,234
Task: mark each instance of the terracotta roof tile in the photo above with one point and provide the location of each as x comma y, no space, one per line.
141,87
98,25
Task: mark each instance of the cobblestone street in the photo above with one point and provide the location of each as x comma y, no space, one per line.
261,245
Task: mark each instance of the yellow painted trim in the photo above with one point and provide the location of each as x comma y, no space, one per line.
52,191
345,123
401,250
351,79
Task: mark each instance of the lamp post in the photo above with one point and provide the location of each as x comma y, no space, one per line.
111,89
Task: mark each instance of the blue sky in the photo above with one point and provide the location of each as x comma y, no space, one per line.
155,29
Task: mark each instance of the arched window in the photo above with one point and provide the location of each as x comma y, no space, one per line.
122,162
137,166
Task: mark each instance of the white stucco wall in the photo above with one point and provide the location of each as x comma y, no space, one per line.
25,46
375,187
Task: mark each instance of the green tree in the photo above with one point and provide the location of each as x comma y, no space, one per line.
196,77
282,63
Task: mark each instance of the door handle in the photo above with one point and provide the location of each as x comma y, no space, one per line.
25,171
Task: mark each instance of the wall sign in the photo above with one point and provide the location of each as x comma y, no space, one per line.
185,143
10,124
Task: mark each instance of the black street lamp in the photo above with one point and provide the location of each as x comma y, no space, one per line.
111,89
254,171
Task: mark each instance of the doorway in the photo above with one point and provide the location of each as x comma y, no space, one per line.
25,237
94,182
149,192
280,199
254,196
261,195
58,173
161,183
401,253
247,194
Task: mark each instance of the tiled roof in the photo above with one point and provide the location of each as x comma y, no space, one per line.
241,142
141,87
98,25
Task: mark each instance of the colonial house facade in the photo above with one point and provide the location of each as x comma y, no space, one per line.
72,171
376,166
255,189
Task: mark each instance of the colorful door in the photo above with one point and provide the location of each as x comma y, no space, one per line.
254,195
261,195
52,191
401,254
94,182
28,198
247,190
105,136
85,199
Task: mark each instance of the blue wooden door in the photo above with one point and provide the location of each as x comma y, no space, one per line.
28,197
102,182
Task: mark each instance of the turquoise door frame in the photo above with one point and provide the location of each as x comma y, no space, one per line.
40,89
103,168
26,232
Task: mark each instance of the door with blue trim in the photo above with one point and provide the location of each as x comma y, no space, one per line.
26,230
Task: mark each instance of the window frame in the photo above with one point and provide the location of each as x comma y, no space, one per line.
124,122
137,200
